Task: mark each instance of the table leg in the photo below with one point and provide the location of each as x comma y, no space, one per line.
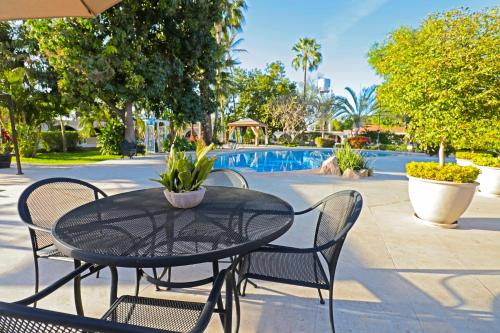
77,290
114,285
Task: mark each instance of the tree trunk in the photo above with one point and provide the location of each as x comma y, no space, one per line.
63,135
129,123
305,83
206,128
442,147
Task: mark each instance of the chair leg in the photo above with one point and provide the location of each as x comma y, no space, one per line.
244,287
155,275
77,291
169,276
137,281
236,300
37,276
321,300
228,312
330,303
97,275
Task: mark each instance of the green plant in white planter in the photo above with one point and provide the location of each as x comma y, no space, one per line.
489,179
440,194
429,79
184,176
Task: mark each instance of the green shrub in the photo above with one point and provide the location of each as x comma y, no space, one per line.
324,142
449,172
182,173
28,137
52,141
349,158
111,137
180,143
469,155
141,148
487,161
386,138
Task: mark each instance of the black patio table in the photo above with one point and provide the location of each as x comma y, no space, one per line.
141,229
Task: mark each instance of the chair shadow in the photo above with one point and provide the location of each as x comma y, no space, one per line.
479,223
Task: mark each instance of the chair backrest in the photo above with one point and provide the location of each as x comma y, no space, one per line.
338,213
227,178
44,202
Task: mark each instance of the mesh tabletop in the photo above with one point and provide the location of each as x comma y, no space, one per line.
142,229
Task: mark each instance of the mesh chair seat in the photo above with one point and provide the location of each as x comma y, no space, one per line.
167,315
303,269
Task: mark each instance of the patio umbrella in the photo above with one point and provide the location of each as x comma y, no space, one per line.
38,9
35,9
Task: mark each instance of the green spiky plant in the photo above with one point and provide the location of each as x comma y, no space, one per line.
185,174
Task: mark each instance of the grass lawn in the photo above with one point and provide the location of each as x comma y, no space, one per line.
76,157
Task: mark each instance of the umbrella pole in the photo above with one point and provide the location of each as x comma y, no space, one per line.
10,106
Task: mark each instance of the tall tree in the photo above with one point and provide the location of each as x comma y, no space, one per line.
358,108
444,76
307,56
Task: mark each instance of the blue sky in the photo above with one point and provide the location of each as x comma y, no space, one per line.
346,29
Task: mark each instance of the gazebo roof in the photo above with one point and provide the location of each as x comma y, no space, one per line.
247,122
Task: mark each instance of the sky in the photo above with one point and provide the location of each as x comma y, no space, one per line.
346,29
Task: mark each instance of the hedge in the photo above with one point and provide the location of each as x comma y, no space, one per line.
52,141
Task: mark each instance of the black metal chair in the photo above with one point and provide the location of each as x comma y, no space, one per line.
226,177
128,149
42,204
128,314
303,267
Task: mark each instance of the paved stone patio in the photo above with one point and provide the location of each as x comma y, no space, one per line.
394,275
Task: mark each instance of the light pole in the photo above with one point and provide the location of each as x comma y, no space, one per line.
10,105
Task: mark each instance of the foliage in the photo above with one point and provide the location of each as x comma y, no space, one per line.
111,137
307,57
488,161
324,142
258,89
385,137
182,173
289,112
444,77
449,172
5,148
358,141
156,53
348,158
359,108
140,148
180,143
52,141
28,137
469,155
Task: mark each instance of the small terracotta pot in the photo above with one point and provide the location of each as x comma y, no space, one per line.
185,199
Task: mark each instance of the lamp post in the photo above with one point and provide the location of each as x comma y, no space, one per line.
10,107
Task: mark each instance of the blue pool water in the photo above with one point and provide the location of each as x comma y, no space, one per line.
280,160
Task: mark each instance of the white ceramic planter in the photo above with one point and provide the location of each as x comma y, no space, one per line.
463,162
440,203
489,180
185,199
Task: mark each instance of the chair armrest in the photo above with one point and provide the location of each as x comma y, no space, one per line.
54,286
213,297
38,228
313,207
285,249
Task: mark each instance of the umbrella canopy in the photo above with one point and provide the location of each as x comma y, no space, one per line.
35,9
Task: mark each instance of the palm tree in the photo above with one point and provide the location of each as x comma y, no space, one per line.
359,107
308,57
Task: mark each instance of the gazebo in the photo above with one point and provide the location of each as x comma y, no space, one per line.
254,125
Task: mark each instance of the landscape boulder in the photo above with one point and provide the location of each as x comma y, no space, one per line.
350,173
330,166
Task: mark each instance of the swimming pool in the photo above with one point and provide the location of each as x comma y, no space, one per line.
280,159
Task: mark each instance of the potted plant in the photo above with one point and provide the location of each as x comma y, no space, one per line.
5,150
489,179
464,158
440,194
447,102
184,176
